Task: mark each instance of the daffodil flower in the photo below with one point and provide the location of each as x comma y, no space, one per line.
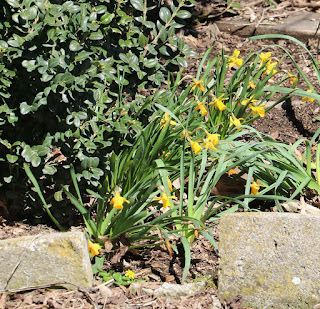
197,84
232,171
202,108
235,121
251,85
195,147
130,274
305,99
234,61
93,248
213,138
250,100
270,67
165,200
117,201
165,120
218,102
258,110
185,134
264,57
292,78
210,145
254,188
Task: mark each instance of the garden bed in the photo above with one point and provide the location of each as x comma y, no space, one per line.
286,123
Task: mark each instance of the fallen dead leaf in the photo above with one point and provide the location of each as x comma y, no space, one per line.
3,299
170,278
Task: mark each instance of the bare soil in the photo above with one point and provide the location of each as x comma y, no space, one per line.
286,123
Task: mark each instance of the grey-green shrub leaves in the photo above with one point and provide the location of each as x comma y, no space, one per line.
70,77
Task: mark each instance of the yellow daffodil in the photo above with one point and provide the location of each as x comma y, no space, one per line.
213,138
250,100
305,99
195,147
117,201
130,274
211,141
270,67
210,145
165,120
183,133
258,110
254,188
264,57
165,200
93,248
202,108
197,84
169,184
251,85
233,171
292,78
234,60
218,102
235,121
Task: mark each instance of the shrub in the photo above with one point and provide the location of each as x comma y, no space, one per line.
71,78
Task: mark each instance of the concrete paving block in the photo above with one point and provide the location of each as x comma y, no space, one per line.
45,259
302,26
271,259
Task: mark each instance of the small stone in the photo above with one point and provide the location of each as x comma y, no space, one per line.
45,259
176,290
270,259
216,302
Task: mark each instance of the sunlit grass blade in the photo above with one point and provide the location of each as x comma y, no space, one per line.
75,183
90,224
209,236
38,190
187,257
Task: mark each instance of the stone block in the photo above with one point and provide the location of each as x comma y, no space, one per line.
302,26
45,259
271,259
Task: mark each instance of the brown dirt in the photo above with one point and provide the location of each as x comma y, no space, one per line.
286,123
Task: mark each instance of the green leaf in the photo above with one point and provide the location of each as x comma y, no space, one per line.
137,4
164,14
183,14
83,55
164,50
38,190
58,196
98,263
13,3
96,36
35,160
46,77
12,158
29,14
182,61
49,170
150,63
25,108
8,179
187,256
143,40
90,162
74,46
141,74
107,18
101,9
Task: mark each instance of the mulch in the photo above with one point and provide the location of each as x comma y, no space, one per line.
157,265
